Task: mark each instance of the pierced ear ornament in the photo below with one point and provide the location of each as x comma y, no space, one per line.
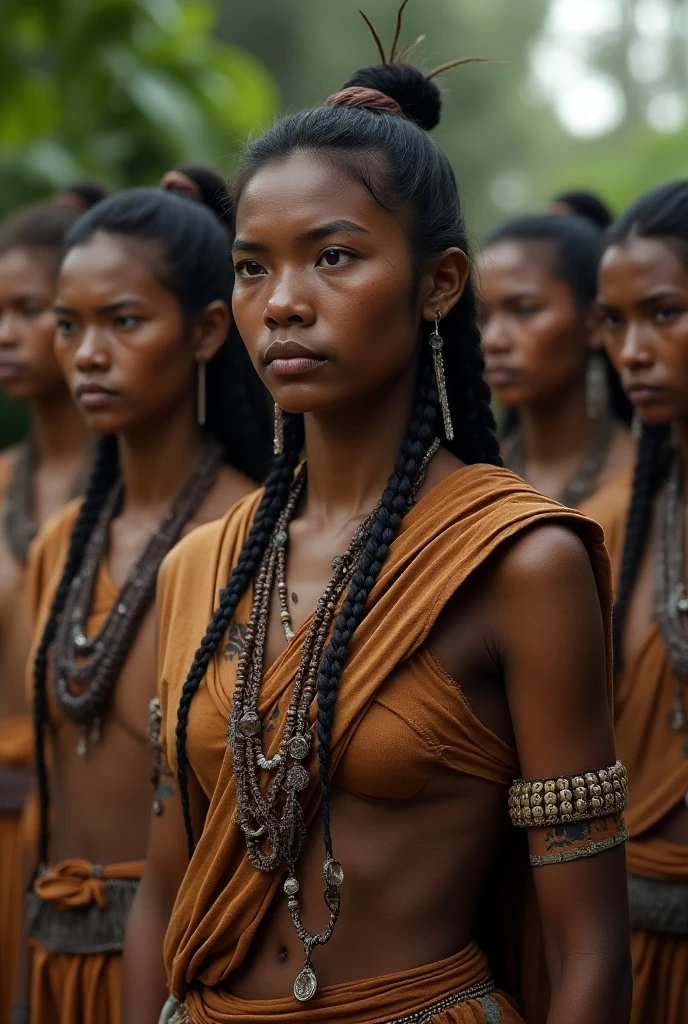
436,344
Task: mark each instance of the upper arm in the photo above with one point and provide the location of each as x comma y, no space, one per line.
551,635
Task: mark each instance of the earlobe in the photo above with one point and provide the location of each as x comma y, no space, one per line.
212,328
447,278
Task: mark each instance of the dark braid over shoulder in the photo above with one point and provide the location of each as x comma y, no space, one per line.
393,506
105,472
650,468
273,501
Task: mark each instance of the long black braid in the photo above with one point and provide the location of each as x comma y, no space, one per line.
272,502
401,167
104,474
651,465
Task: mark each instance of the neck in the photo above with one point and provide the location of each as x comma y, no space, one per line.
558,428
351,453
157,460
57,429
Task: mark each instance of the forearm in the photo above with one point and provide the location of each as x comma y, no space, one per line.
591,988
144,983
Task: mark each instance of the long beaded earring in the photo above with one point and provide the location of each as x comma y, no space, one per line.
436,344
201,392
278,442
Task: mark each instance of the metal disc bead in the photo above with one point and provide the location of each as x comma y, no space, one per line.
299,747
333,872
306,985
291,885
249,724
281,538
297,778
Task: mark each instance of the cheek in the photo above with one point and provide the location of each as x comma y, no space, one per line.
40,339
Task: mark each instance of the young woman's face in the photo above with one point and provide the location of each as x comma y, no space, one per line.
28,367
323,296
535,336
643,297
121,340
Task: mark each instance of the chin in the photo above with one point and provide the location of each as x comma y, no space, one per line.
658,415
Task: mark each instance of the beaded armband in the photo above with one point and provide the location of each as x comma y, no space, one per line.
546,802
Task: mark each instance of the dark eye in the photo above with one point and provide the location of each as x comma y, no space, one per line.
334,258
31,308
65,325
526,309
666,315
249,268
127,323
609,320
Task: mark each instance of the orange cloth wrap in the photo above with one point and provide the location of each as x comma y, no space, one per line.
223,899
69,988
16,751
657,784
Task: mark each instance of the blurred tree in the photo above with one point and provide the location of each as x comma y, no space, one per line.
118,90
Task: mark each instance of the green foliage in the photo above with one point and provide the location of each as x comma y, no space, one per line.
118,90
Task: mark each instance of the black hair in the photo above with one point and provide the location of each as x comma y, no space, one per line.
85,193
41,226
213,188
661,213
193,263
572,248
405,171
588,206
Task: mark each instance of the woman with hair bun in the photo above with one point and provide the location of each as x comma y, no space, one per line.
37,477
643,297
143,340
566,433
387,621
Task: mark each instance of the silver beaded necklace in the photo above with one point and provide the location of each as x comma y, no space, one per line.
271,816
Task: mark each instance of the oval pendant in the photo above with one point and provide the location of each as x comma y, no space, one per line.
306,985
299,747
682,604
297,779
249,724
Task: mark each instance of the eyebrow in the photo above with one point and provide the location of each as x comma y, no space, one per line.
109,307
332,227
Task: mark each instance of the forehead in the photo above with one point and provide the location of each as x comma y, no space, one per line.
107,264
639,266
288,196
517,265
23,269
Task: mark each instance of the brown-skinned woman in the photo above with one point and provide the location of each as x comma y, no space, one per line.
142,339
36,479
392,620
643,297
565,433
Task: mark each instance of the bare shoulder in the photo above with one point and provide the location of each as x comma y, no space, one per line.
546,555
229,488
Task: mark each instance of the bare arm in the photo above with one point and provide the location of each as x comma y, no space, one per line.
552,644
144,983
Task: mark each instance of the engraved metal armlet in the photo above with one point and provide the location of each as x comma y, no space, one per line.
569,798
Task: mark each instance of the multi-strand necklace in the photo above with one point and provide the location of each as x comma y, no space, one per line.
95,662
583,483
671,598
269,813
19,518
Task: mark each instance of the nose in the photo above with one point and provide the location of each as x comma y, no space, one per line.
9,332
495,335
288,304
636,350
92,352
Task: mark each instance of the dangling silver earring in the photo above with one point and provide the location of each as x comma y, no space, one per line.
596,394
278,442
436,344
201,393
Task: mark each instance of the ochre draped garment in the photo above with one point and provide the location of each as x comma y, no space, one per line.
71,988
16,751
223,899
68,988
658,783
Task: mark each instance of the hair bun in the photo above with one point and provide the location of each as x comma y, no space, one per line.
418,96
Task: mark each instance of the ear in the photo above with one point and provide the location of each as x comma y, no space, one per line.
443,283
210,330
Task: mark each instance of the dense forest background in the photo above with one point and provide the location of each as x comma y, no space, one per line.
584,93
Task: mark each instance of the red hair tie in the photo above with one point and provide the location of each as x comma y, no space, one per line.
367,99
